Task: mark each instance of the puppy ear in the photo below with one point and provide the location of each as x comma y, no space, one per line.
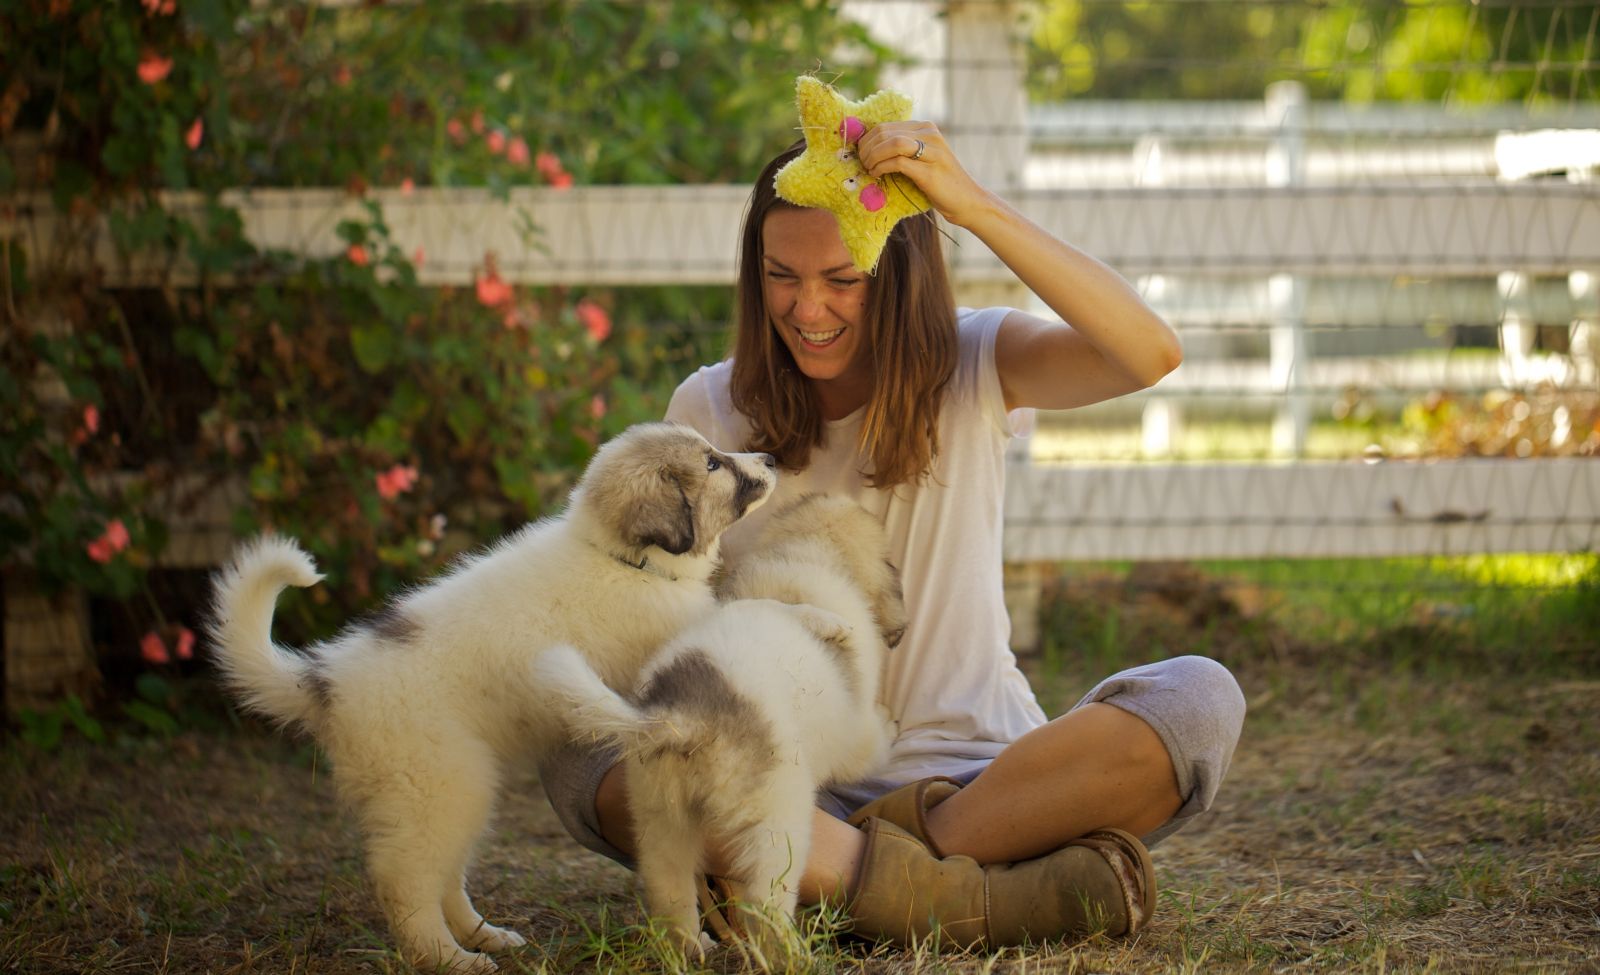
666,520
890,608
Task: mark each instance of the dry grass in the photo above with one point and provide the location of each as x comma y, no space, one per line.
1381,815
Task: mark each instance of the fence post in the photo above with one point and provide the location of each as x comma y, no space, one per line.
987,102
1286,112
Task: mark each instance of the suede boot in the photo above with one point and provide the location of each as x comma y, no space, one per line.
907,807
1103,882
905,895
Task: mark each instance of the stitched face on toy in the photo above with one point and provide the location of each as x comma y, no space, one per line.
828,174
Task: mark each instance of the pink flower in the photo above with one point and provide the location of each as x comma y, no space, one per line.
493,292
496,141
91,419
517,152
418,256
117,535
456,130
197,131
358,255
153,650
561,181
396,481
185,646
100,550
408,186
594,319
547,164
153,67
597,406
164,8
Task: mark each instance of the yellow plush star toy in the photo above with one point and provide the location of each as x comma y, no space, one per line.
828,174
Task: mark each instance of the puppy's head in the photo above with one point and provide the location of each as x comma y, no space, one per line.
859,541
662,485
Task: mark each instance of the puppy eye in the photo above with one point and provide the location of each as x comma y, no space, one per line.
712,464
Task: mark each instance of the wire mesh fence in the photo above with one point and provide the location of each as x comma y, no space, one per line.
1375,225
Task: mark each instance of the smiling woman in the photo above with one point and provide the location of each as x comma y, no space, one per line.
989,823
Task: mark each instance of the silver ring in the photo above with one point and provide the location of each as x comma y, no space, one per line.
920,146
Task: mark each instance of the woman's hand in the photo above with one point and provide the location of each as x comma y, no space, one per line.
918,151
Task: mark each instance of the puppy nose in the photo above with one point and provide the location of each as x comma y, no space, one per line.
770,461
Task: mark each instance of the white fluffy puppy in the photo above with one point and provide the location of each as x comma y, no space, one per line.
733,726
420,707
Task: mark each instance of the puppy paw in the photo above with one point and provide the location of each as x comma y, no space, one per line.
825,626
490,938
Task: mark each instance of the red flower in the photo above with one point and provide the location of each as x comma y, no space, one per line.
196,132
117,535
185,643
493,292
594,319
517,152
418,256
153,650
456,130
100,550
496,141
358,255
597,406
396,481
91,419
561,181
408,186
153,67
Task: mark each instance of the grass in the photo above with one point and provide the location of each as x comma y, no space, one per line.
1415,791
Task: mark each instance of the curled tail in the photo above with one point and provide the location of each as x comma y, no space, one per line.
264,676
597,711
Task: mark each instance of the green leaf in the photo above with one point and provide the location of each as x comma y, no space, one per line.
153,718
374,346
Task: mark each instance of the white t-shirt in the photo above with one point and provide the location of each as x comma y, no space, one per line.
952,685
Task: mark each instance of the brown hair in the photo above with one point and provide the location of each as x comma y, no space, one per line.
910,326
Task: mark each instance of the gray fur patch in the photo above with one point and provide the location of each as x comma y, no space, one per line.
317,683
691,684
391,624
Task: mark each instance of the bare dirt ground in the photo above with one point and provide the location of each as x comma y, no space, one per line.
1396,804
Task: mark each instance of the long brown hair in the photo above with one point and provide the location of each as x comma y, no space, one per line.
910,332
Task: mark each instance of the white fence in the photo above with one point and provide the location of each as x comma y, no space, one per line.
1239,214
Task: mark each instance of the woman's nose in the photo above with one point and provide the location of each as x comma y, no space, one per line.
808,308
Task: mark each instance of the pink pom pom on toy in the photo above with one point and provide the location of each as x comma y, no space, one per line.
852,128
873,198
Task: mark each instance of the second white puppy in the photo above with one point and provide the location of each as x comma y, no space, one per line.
734,725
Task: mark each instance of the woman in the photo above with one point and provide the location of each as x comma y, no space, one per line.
991,824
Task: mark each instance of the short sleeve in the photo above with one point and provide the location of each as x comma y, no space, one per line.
978,328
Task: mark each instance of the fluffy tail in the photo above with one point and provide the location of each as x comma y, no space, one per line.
264,676
596,710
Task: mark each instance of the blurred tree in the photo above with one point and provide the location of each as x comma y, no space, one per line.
1356,50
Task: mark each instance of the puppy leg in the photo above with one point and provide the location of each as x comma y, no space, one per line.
772,859
670,851
422,823
820,623
471,929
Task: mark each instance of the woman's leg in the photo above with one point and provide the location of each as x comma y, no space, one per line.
1146,745
1093,767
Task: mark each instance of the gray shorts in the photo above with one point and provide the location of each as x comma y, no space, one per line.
1193,703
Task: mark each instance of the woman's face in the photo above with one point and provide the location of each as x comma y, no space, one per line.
815,299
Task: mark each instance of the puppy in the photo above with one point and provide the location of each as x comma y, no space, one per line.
733,726
421,707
